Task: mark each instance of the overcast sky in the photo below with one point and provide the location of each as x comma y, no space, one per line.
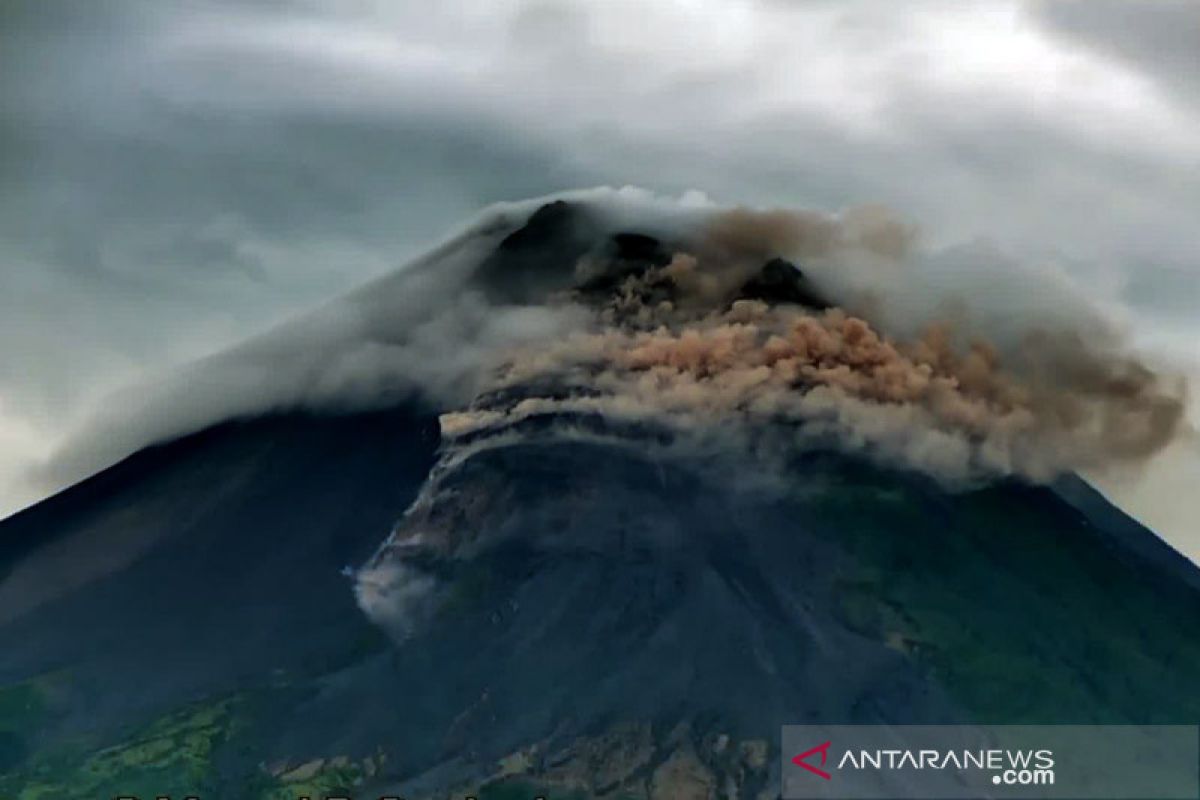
175,176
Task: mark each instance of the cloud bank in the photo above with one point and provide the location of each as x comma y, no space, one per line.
693,316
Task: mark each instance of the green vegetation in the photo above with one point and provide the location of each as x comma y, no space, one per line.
1019,612
178,754
172,755
336,777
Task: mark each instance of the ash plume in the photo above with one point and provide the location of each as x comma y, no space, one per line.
732,326
704,344
716,339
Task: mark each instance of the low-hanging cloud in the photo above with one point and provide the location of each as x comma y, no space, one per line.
423,331
698,320
1058,390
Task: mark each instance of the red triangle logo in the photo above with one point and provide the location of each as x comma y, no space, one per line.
823,749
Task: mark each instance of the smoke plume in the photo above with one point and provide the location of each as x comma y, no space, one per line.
732,335
754,328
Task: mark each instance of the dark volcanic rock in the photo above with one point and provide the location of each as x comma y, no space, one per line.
538,258
638,247
781,281
543,227
623,256
194,565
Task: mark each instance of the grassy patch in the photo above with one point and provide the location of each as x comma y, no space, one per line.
172,755
332,780
1015,606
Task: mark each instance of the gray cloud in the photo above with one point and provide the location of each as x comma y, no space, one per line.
991,367
138,230
1157,37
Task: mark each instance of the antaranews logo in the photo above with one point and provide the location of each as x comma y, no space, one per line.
802,759
849,762
1009,767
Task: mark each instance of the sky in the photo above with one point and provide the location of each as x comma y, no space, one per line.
178,175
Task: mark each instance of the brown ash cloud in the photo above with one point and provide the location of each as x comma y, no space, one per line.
724,337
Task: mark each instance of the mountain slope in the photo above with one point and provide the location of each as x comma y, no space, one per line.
198,567
589,589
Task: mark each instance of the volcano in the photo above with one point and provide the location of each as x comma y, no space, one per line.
529,590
